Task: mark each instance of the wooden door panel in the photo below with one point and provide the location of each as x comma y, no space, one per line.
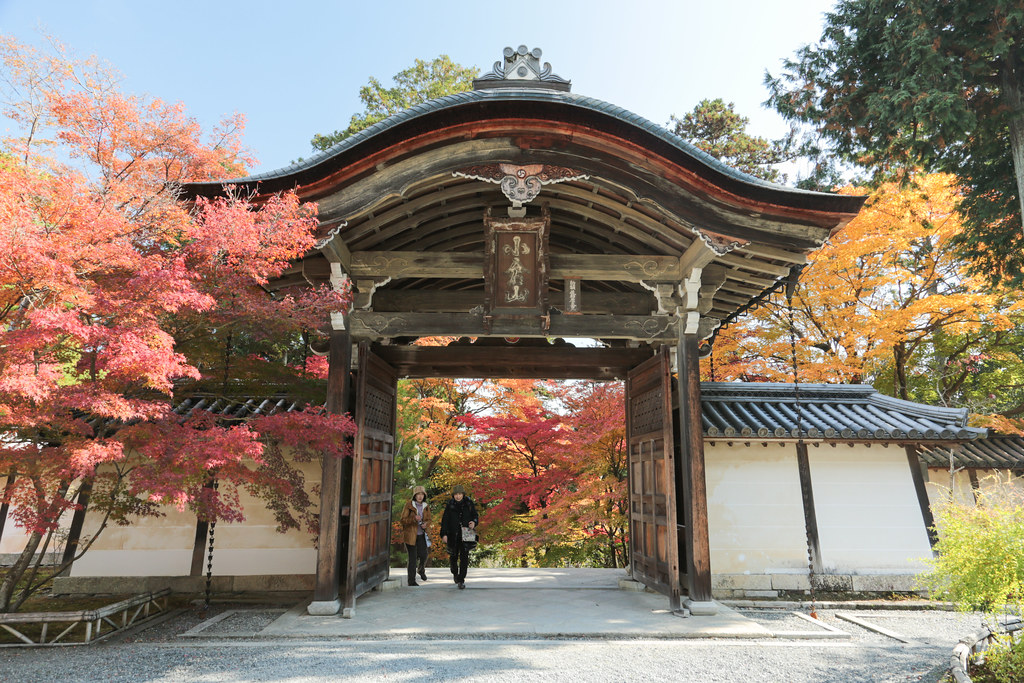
372,470
654,547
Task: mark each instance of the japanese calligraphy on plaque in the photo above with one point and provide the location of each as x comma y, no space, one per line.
516,272
572,296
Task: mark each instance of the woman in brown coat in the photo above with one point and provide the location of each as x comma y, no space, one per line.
415,518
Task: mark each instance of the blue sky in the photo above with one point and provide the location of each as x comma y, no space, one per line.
295,68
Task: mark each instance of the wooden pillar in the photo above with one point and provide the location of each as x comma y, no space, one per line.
328,557
810,517
695,500
199,543
972,475
199,547
917,473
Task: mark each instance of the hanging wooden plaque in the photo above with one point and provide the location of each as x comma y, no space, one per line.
516,268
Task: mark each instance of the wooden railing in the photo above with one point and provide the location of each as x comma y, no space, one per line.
96,623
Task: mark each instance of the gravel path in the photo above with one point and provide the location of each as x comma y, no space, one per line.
160,654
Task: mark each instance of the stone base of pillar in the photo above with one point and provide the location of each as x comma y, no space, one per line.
701,608
324,608
631,585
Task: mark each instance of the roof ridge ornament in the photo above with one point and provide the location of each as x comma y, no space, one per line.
521,68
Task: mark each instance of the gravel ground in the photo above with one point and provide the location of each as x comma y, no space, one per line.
248,622
159,654
780,621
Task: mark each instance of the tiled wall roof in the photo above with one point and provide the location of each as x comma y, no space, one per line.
996,452
766,411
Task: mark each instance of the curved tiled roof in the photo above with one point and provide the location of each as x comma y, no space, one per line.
841,412
525,94
237,409
995,452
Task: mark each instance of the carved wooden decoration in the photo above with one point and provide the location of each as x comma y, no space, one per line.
520,184
516,267
573,304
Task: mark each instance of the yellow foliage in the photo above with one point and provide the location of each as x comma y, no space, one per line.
878,291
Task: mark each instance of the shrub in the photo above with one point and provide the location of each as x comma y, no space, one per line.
979,565
979,561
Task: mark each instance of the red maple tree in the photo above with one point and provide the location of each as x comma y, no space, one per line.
115,297
550,469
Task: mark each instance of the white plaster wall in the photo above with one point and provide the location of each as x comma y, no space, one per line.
755,510
869,519
16,537
150,546
255,547
940,484
163,546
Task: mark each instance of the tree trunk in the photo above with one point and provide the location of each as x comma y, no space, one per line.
1013,96
26,588
899,370
18,570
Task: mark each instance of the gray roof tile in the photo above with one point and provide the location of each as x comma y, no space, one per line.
995,452
766,411
763,411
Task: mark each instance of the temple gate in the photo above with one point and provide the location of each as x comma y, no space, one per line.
520,214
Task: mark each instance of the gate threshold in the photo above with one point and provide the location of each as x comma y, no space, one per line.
515,603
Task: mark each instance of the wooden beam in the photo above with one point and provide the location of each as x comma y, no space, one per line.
432,220
384,222
765,251
336,251
917,473
624,209
748,279
734,261
803,465
432,264
461,301
652,234
697,255
449,264
624,268
374,325
452,231
526,361
316,271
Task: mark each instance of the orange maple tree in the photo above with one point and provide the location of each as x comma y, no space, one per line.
886,301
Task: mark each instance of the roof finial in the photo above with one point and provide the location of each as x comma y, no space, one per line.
521,68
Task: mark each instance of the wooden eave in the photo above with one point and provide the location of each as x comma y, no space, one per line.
390,190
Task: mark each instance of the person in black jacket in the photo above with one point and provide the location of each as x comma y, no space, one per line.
458,514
